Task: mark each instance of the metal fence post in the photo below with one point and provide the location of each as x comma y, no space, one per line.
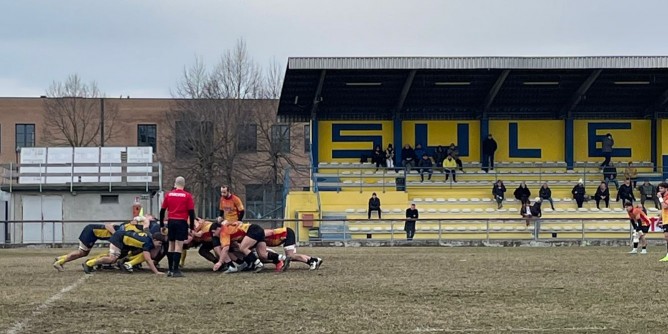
440,229
582,223
487,221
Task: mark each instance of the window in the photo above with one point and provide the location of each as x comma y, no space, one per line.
307,138
146,135
25,135
280,138
192,137
108,199
247,138
261,204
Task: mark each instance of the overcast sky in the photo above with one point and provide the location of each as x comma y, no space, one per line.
139,47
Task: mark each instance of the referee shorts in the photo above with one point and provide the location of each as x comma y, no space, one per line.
177,230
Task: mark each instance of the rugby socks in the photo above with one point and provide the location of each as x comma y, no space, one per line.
170,260
635,245
91,262
183,257
176,259
250,259
238,261
273,257
61,259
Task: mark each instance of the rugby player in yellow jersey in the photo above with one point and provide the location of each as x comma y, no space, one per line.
286,236
663,199
134,260
127,241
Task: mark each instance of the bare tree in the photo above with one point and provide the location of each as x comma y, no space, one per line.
75,115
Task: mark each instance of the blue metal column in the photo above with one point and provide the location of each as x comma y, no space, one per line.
568,145
653,145
484,131
314,140
398,140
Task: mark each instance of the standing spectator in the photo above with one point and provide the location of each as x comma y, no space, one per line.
419,151
230,206
180,205
454,152
545,194
608,142
411,217
648,192
522,193
408,157
625,193
610,175
488,148
374,205
378,157
602,194
499,193
579,193
425,166
389,156
450,167
631,173
439,156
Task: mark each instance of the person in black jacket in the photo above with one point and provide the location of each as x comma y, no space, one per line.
545,194
488,148
529,211
412,216
408,158
610,175
625,193
579,193
425,166
522,193
499,193
439,156
602,194
374,205
378,157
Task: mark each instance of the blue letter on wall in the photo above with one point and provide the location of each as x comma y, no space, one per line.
337,137
462,143
593,138
514,151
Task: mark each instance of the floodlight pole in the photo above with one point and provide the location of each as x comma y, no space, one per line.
102,122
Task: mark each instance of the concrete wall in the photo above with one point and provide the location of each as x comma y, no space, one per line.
82,206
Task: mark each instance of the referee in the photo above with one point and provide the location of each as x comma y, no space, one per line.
181,206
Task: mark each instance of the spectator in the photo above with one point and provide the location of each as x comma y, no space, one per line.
439,156
602,194
648,192
522,193
425,166
408,157
454,152
488,148
631,173
579,193
545,194
412,216
419,151
450,167
608,142
610,175
374,205
625,193
499,193
378,157
531,211
389,156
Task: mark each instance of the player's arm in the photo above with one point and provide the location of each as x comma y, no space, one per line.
162,217
240,208
149,260
110,227
191,211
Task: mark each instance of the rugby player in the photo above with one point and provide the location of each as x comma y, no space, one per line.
249,236
641,224
286,236
663,199
123,242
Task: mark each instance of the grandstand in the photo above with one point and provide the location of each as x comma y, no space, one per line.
548,116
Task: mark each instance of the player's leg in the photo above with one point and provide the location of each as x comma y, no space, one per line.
82,251
636,236
254,235
180,236
643,239
205,252
665,237
114,254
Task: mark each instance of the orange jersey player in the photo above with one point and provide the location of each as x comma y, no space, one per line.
286,236
231,208
249,236
203,236
641,224
663,199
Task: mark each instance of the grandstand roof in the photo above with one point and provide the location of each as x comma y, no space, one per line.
474,87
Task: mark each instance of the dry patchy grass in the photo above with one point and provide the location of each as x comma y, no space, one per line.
357,290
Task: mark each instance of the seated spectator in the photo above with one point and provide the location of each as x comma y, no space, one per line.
522,193
439,156
374,205
625,193
531,211
389,156
425,166
579,193
602,194
610,175
545,194
419,151
648,191
499,193
631,173
454,152
450,167
408,158
378,157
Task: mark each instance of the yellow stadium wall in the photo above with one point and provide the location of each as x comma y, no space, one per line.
430,134
528,140
297,204
349,140
632,139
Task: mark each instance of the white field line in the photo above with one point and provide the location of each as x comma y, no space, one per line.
23,323
506,329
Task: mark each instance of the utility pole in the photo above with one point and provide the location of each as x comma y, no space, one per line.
102,121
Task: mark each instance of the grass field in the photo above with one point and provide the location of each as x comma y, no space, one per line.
357,290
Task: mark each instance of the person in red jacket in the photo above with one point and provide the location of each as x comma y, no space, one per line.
180,205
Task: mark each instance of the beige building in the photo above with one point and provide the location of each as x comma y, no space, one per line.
146,122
